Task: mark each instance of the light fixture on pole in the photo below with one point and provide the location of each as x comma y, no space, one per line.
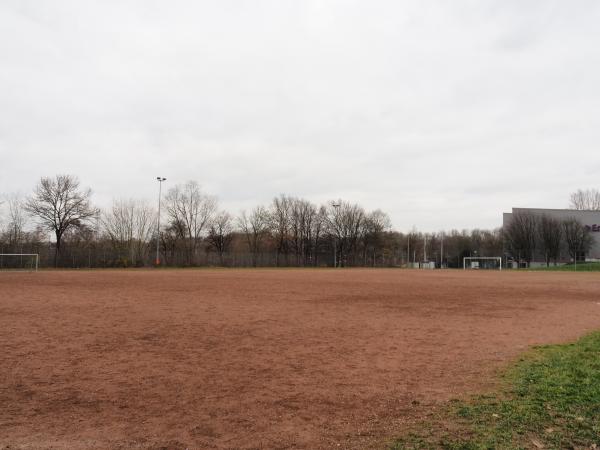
160,181
335,207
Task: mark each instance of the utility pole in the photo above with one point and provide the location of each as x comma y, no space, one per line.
160,181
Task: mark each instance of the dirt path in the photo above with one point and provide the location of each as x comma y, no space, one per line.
261,358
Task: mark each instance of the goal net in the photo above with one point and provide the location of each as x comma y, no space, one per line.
483,262
26,262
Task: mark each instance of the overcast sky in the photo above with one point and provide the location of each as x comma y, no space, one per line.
443,114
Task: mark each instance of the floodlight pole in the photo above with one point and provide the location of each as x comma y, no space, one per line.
442,250
160,181
335,208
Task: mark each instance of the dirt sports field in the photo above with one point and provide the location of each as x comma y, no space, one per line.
261,358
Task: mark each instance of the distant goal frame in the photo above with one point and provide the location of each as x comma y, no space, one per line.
32,268
486,258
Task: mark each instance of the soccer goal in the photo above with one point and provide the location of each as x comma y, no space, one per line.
23,262
482,262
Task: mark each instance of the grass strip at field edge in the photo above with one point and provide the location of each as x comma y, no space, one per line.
580,267
550,398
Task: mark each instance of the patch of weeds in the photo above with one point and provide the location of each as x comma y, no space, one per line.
549,399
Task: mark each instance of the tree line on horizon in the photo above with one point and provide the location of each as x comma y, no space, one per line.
529,237
195,231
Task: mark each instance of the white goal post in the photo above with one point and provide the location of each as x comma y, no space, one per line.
482,262
28,262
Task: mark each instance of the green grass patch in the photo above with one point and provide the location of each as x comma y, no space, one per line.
581,267
549,399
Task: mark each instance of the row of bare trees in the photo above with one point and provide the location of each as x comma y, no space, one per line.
289,231
299,231
528,233
585,199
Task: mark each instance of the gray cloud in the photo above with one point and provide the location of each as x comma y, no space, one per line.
443,114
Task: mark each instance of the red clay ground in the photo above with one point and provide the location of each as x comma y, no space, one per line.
261,358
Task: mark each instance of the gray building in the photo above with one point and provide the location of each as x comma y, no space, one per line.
590,219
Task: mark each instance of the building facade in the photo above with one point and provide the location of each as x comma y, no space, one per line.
590,219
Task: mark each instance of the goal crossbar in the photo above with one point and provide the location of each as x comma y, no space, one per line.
480,258
33,267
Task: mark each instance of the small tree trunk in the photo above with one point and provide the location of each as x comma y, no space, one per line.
57,249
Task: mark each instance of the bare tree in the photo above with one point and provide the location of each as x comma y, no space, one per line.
302,218
129,226
220,233
171,239
319,225
373,228
550,237
520,234
279,222
59,205
14,232
78,240
192,211
577,238
345,223
588,199
255,227
491,242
